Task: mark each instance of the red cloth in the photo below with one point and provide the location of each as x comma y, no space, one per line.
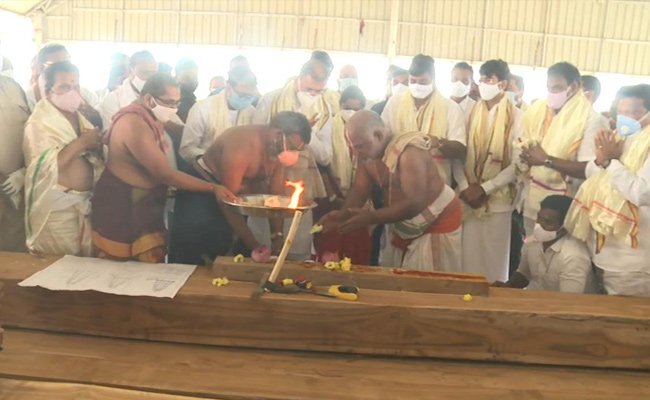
144,113
355,244
448,221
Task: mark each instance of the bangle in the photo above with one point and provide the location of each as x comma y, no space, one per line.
275,235
548,162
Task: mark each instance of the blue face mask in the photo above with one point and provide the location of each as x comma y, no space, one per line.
626,126
238,101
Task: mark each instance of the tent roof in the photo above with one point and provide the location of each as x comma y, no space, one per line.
22,7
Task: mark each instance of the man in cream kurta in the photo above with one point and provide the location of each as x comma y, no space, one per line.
487,187
424,109
557,141
611,211
306,95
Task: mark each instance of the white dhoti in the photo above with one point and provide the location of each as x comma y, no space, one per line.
429,252
634,283
64,228
486,245
529,226
432,239
301,248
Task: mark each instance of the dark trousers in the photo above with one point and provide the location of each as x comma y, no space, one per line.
199,231
517,235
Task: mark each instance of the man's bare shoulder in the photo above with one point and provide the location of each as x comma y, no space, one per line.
128,124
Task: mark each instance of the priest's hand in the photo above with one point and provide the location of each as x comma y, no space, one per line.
534,155
223,194
361,218
332,220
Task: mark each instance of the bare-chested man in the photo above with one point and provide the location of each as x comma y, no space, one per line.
62,152
244,159
129,199
423,213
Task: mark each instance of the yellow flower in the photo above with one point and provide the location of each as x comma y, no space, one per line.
218,282
287,282
467,297
346,264
238,258
331,265
316,229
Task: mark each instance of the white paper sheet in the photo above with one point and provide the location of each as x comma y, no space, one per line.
123,278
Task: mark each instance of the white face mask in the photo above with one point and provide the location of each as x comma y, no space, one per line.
162,113
347,114
542,235
398,89
138,83
306,100
420,91
459,89
487,91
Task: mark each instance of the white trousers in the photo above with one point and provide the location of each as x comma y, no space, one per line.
635,283
430,252
486,245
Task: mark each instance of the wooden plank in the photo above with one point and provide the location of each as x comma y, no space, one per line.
557,330
13,389
192,370
362,276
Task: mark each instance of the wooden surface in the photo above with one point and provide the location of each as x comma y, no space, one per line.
213,372
14,389
509,325
362,276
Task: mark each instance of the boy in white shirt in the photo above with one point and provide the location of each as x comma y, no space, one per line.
553,259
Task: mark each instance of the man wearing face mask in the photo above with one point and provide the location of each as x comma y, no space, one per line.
557,142
247,159
194,229
304,94
187,76
611,211
425,110
462,77
338,180
130,196
142,65
64,158
46,56
347,77
398,80
217,84
487,186
516,92
13,115
552,259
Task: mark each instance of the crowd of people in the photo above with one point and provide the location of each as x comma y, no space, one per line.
549,195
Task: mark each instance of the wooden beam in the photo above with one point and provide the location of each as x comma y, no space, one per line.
362,276
207,371
549,328
15,389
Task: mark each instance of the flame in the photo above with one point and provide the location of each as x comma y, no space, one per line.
298,188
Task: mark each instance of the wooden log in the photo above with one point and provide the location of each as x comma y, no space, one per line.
362,276
555,329
207,371
14,389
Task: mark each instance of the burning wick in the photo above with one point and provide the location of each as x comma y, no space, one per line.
298,188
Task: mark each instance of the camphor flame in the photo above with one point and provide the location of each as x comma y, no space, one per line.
298,188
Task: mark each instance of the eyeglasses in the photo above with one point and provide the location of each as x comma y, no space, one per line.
167,103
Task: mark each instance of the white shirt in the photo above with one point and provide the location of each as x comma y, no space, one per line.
197,134
456,129
565,266
507,175
616,255
321,141
466,107
587,150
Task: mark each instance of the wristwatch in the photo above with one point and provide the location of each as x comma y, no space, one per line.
276,235
548,163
